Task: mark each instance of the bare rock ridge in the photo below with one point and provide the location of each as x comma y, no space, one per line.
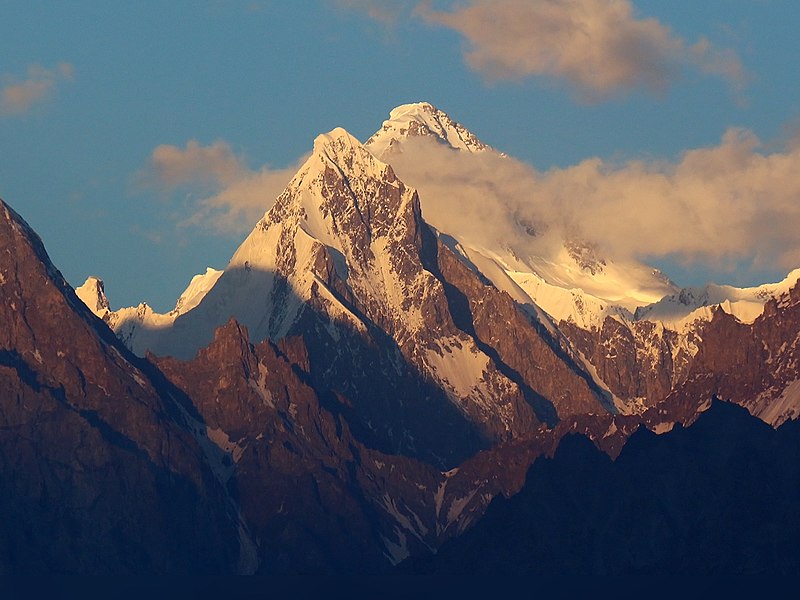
98,464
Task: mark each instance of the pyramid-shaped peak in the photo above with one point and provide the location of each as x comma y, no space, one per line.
337,138
422,119
343,151
93,295
341,148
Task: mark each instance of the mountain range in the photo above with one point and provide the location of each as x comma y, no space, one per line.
363,381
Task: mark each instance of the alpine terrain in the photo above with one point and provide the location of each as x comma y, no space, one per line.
371,373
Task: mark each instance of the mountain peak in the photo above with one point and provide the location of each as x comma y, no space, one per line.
93,295
337,138
415,108
345,153
422,119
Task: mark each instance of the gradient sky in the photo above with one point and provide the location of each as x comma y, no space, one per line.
118,119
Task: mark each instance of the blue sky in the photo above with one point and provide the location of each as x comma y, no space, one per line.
92,90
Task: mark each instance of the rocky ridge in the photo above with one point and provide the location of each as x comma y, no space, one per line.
379,383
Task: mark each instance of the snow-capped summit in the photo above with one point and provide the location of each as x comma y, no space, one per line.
344,260
139,326
570,281
93,295
422,119
339,212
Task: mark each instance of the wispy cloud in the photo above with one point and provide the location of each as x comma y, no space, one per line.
599,47
384,11
18,96
733,202
220,193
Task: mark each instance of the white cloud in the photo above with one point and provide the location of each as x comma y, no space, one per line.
171,166
18,96
600,47
720,205
221,193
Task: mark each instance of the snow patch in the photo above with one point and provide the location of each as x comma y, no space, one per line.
783,408
458,366
663,427
260,386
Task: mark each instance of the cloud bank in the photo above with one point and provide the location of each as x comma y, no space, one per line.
221,193
18,96
729,203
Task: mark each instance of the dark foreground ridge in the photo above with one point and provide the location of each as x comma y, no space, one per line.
719,497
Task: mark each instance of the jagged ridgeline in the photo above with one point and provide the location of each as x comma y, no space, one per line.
365,376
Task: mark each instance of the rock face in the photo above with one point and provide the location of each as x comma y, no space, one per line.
315,498
752,364
98,464
308,490
640,361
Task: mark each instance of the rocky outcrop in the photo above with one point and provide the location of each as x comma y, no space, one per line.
639,361
521,348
